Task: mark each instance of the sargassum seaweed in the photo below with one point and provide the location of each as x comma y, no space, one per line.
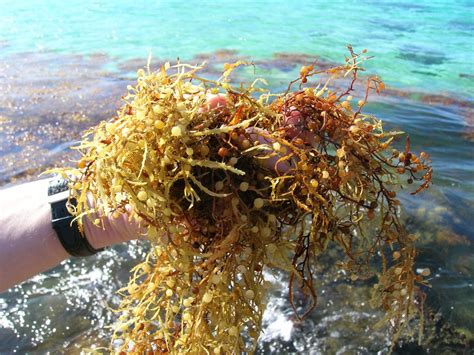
266,181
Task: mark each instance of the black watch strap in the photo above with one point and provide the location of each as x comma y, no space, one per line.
68,232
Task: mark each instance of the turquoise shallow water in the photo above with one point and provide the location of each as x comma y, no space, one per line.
64,66
422,44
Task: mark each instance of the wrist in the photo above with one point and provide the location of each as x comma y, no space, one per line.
64,223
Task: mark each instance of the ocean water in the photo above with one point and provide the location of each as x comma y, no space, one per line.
65,64
421,44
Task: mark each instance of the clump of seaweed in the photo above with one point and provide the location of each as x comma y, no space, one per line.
264,181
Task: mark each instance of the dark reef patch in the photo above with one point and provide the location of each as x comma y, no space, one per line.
424,72
422,56
393,26
466,76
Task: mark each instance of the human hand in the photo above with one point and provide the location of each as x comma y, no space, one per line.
122,227
115,228
293,126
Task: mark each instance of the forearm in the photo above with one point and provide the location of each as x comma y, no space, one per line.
28,243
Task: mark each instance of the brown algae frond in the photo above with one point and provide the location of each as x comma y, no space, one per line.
266,181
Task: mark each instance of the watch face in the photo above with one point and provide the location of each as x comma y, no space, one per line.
57,185
58,190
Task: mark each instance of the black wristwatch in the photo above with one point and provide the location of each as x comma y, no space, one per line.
68,232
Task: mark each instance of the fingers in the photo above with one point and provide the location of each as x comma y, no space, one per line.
214,102
293,121
116,227
293,117
295,126
275,162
